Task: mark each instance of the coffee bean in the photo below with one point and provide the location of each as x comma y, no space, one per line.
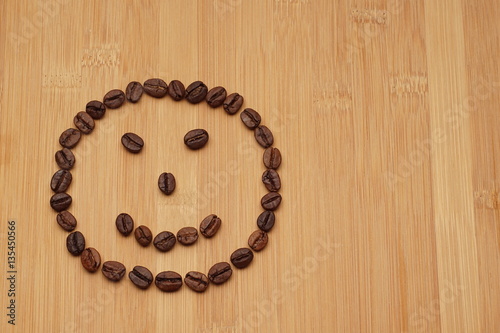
65,159
241,258
272,158
134,91
220,273
95,109
168,281
113,270
84,122
196,92
75,243
60,201
271,180
61,181
176,90
258,240
250,118
124,224
266,220
233,103
69,138
91,260
143,235
264,136
156,88
166,183
210,225
114,99
196,139
271,201
141,277
196,281
187,235
164,241
132,142
66,220
216,97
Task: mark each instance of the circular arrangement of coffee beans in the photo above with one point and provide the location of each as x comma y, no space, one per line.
164,241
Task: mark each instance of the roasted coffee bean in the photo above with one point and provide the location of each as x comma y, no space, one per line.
271,201
164,241
124,224
95,109
141,277
132,142
166,183
271,180
266,220
210,225
187,235
220,273
65,159
156,87
196,281
75,242
60,201
196,92
84,122
91,260
66,220
176,90
168,281
134,91
264,136
272,158
241,258
250,118
216,97
258,240
196,139
114,99
113,270
143,235
69,138
233,103
61,181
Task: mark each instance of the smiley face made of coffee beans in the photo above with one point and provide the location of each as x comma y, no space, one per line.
142,277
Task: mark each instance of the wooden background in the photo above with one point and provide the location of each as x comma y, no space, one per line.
386,113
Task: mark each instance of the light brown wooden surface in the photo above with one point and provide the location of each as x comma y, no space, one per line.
386,113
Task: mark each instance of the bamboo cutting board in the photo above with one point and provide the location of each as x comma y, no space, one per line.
386,114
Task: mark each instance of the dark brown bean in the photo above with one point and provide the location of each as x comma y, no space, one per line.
124,224
220,273
60,201
196,281
196,92
272,158
66,220
241,258
168,281
271,201
176,90
166,183
266,220
271,180
75,243
141,277
258,240
210,225
196,139
164,241
95,109
91,259
216,97
70,138
250,118
187,235
65,159
60,181
114,99
132,142
156,87
264,136
84,122
233,103
113,270
143,235
134,91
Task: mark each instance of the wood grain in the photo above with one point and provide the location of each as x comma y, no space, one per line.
385,112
